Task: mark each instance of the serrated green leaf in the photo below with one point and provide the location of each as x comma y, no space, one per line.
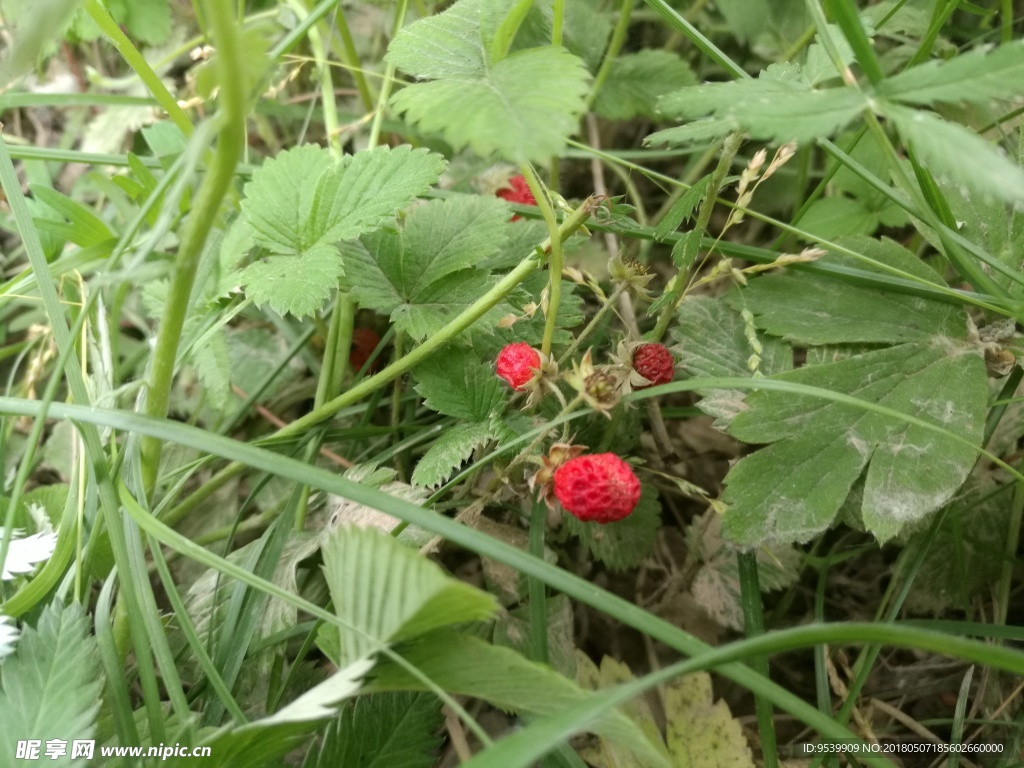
712,342
295,284
468,666
778,106
384,730
52,684
453,447
440,237
626,543
458,384
421,274
701,731
303,197
977,76
686,250
830,311
953,151
504,113
489,107
386,592
792,490
637,80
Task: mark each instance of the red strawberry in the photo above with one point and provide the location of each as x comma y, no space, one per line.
516,364
517,192
364,341
597,488
655,363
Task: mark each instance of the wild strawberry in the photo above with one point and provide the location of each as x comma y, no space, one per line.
655,363
517,363
364,341
517,191
597,488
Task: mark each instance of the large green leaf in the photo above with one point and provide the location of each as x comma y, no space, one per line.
522,107
794,488
386,592
51,685
451,448
468,666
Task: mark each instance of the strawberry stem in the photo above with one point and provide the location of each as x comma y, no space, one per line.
554,260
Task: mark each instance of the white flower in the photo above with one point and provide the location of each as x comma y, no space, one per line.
24,554
8,636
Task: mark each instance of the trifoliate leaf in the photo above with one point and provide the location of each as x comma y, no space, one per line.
301,202
712,342
958,153
491,107
52,683
779,105
451,448
977,76
384,730
458,384
623,544
793,489
700,731
467,666
385,592
637,80
296,284
25,553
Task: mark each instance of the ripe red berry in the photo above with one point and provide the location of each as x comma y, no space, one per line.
655,363
516,364
518,193
364,341
597,488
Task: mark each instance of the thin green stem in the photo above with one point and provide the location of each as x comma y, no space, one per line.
205,211
555,258
138,63
594,321
355,66
557,20
537,590
753,619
